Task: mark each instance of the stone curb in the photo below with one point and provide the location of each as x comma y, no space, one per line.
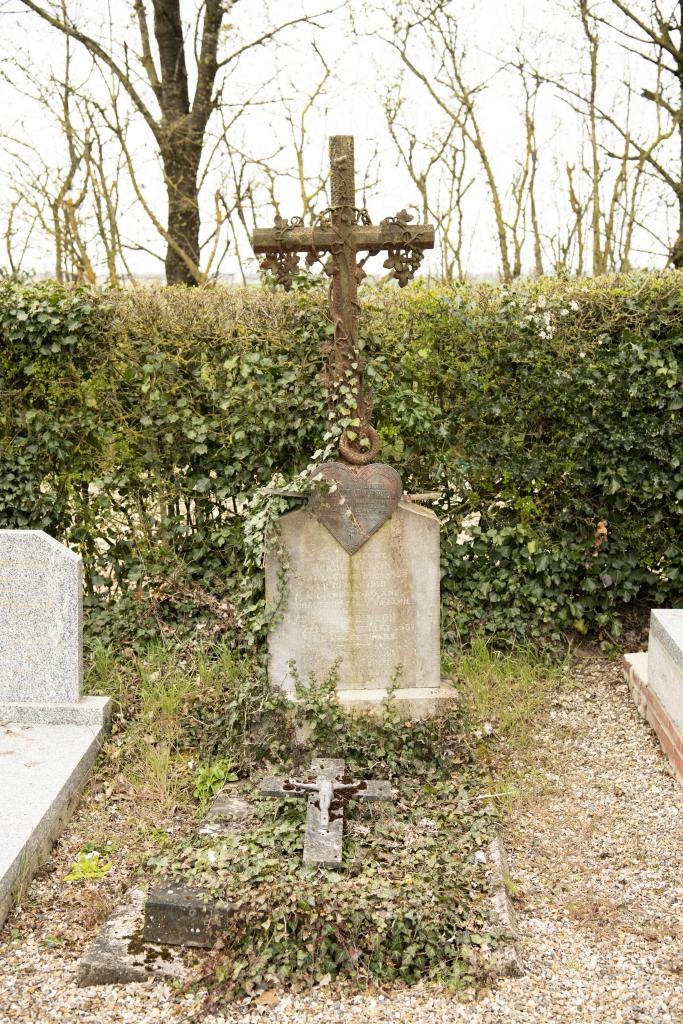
651,707
505,961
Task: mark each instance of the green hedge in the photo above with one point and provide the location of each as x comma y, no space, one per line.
135,424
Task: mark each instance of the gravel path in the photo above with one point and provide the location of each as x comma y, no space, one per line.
596,850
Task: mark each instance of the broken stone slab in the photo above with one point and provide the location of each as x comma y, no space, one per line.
226,807
178,915
120,954
226,814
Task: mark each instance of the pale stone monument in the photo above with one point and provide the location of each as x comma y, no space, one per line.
361,563
49,734
41,626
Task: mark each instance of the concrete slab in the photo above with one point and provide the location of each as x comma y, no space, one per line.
119,955
43,769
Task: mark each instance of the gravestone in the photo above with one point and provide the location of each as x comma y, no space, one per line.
361,563
49,734
374,613
41,625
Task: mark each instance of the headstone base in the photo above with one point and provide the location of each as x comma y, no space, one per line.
412,703
88,711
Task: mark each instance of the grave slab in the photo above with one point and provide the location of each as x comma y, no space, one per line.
43,769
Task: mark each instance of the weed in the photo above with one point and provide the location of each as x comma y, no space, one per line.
210,779
504,691
88,864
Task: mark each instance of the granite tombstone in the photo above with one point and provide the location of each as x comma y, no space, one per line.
41,624
49,734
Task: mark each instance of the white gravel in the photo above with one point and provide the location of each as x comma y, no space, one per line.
596,850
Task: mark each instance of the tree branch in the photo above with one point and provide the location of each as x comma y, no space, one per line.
98,51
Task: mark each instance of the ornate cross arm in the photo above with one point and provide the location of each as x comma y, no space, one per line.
366,238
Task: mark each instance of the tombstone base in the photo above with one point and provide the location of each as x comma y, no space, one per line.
412,703
88,711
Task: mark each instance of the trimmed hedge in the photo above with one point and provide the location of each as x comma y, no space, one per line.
135,424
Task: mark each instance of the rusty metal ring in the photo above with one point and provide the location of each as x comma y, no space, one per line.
359,458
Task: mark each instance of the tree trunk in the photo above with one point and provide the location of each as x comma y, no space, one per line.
181,167
677,249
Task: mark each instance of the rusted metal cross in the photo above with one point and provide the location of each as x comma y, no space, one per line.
340,233
327,788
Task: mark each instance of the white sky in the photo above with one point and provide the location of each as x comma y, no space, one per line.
365,69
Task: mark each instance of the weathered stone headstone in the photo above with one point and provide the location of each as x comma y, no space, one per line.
41,625
375,613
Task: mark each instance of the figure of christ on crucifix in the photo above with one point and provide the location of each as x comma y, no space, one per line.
326,790
340,233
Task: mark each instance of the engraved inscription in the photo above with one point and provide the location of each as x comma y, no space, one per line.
375,612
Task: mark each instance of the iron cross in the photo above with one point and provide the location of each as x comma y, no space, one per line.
340,233
326,790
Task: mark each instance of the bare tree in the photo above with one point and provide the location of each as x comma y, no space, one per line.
72,197
427,40
655,34
604,186
175,101
436,165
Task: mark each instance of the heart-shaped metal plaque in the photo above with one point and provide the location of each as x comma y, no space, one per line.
352,502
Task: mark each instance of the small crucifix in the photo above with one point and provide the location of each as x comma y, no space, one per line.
340,233
327,789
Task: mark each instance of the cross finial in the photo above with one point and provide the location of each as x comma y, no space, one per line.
342,172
